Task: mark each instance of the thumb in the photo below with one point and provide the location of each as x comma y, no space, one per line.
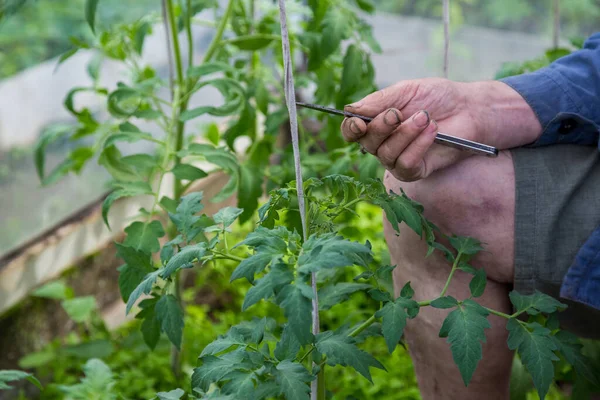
395,96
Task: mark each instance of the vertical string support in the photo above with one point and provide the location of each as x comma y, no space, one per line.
290,98
446,20
556,23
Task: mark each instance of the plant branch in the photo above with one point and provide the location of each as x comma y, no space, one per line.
228,256
169,51
188,30
212,48
454,267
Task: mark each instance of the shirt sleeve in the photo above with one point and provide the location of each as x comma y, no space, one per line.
565,96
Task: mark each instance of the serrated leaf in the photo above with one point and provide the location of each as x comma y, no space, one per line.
570,347
143,236
80,309
170,315
536,349
264,288
184,259
151,329
227,216
477,284
298,310
224,342
126,190
341,350
90,13
407,213
465,245
407,291
130,276
288,346
185,218
465,329
444,302
171,395
145,287
11,375
293,379
394,315
380,295
330,251
335,29
535,303
332,295
214,369
188,172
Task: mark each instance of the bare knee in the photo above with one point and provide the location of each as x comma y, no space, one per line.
473,198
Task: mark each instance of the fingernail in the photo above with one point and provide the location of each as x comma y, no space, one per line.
355,105
391,117
421,119
354,128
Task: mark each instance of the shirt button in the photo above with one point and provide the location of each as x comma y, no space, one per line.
567,126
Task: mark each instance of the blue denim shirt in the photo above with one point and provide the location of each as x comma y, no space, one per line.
565,96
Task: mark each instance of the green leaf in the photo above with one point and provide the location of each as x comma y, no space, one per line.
570,347
298,310
292,379
143,288
288,346
444,302
126,190
80,309
335,29
129,137
380,295
269,285
96,348
170,315
477,284
98,382
224,342
536,348
150,326
464,328
66,55
172,395
535,303
188,172
341,350
251,42
332,295
366,5
185,218
330,251
48,137
209,68
227,216
351,74
394,315
407,291
143,236
130,276
54,290
231,90
11,375
111,159
465,245
269,244
215,369
184,259
90,13
249,190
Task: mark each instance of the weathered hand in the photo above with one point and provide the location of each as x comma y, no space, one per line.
408,115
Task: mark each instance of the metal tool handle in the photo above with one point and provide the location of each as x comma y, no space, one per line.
467,145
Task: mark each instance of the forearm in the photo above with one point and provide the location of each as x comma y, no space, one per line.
504,118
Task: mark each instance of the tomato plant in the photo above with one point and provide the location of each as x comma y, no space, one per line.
295,257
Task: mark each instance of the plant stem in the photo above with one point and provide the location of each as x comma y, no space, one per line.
228,256
212,48
188,30
498,313
424,303
363,326
454,267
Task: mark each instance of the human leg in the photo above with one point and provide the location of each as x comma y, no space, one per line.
473,198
